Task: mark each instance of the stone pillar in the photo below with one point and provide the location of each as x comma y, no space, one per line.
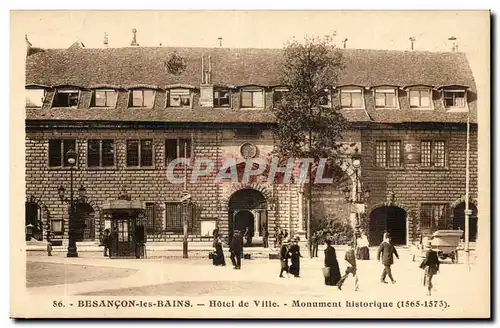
256,215
301,211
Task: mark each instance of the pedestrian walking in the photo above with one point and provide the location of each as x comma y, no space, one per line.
387,251
106,242
331,270
430,264
350,258
236,249
49,243
284,256
315,244
265,237
218,258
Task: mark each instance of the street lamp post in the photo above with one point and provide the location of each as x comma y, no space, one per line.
359,196
71,159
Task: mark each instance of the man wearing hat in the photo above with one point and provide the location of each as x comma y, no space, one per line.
387,251
350,258
236,249
431,266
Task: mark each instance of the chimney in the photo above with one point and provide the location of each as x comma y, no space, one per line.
220,41
105,42
345,42
412,41
454,46
134,39
28,45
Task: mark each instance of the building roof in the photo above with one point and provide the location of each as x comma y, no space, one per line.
146,66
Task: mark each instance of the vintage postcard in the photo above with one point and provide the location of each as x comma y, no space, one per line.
250,164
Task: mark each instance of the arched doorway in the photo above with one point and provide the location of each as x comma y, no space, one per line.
391,219
459,219
33,216
85,216
248,209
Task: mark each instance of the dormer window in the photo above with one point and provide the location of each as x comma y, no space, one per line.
66,98
454,98
252,98
351,97
142,98
278,94
325,98
104,98
180,98
386,98
420,98
34,98
222,98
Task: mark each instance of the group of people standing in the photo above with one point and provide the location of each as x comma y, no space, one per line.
290,250
235,248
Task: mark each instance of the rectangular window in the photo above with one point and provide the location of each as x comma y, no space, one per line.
104,98
143,98
381,153
100,153
174,214
432,153
420,98
150,224
222,98
66,98
140,153
351,98
325,98
177,148
385,98
433,217
123,230
57,151
388,153
252,98
454,98
278,94
180,98
34,98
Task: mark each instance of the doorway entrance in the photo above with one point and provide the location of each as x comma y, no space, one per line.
248,210
33,216
84,214
459,220
391,219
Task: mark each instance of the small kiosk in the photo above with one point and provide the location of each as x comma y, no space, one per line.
127,238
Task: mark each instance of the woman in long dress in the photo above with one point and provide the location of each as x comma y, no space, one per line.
219,258
295,259
363,252
332,264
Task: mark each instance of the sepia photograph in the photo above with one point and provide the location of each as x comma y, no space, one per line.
250,164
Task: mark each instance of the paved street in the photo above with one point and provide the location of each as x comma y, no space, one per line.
259,277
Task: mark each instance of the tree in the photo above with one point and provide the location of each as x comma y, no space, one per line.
308,124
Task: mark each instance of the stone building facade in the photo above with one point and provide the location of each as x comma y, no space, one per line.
128,112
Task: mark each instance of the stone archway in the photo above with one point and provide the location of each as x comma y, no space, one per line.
247,209
36,214
88,214
459,219
391,219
